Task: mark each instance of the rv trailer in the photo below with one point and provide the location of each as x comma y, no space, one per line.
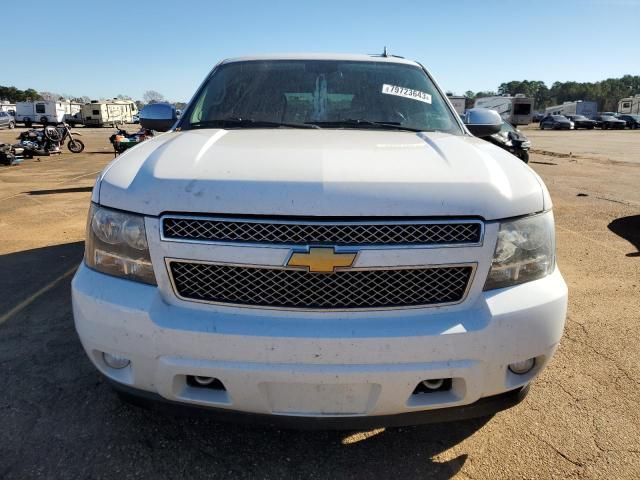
579,107
630,105
45,111
517,110
108,113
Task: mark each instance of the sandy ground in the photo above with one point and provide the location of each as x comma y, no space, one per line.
58,419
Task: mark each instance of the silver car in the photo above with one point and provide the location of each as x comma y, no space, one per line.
7,120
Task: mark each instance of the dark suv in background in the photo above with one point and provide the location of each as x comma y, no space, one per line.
632,121
580,121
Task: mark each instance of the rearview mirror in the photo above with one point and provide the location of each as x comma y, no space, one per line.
483,122
158,116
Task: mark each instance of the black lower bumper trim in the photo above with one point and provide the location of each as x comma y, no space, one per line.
486,406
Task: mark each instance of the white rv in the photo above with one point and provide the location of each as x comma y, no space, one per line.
579,107
459,103
517,110
43,111
630,105
108,113
46,111
10,108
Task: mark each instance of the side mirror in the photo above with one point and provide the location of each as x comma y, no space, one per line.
483,122
158,116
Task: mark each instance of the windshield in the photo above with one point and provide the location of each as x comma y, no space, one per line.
329,94
559,118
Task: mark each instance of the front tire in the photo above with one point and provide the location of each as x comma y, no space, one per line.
28,123
12,125
75,146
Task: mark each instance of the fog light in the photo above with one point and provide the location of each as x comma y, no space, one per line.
204,381
115,361
522,367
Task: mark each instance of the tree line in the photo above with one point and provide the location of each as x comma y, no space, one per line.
606,93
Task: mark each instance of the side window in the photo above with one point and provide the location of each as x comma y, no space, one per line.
40,108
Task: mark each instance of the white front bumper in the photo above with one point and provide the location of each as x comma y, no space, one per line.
311,364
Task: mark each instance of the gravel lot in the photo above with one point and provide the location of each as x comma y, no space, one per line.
58,419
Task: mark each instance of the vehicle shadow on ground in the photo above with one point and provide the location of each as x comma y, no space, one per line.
60,419
629,229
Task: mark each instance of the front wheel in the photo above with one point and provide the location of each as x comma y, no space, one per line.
75,146
524,156
12,125
28,123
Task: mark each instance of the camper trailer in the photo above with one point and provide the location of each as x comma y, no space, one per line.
10,108
108,113
43,111
517,110
459,103
579,107
630,105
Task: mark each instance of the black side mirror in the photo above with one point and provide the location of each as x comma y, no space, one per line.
158,116
483,122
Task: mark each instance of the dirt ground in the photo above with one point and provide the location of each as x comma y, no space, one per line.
58,419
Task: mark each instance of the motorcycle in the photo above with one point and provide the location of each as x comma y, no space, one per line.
36,142
47,141
61,133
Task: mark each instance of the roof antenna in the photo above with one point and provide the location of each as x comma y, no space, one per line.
384,52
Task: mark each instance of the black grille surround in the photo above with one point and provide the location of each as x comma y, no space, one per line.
357,232
299,289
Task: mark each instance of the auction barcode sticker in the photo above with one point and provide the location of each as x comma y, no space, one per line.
406,93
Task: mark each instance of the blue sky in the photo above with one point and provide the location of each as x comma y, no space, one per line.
101,49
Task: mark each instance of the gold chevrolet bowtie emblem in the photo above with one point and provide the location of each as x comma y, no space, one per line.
321,259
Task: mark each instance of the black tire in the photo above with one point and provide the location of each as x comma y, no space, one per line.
44,121
604,126
12,125
75,145
28,123
524,156
541,126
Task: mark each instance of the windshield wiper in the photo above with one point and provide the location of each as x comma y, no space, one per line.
237,122
355,123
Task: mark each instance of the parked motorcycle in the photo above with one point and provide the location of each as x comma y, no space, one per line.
38,143
61,133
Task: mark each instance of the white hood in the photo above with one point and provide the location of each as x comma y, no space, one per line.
327,173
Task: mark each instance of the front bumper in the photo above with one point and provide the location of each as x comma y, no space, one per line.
327,366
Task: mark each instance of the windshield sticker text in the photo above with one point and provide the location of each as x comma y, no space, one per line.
406,93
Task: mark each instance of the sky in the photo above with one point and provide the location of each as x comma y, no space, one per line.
102,49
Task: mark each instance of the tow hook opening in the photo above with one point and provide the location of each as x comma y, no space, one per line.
211,383
433,385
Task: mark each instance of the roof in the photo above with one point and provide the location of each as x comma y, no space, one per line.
324,56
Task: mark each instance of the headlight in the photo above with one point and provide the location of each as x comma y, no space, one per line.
117,245
525,251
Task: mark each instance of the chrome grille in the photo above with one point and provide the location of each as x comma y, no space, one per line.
276,287
335,233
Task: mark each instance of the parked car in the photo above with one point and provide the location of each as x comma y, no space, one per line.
537,116
607,121
293,261
580,121
7,120
556,122
633,121
512,140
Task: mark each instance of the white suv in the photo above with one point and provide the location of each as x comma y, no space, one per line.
320,239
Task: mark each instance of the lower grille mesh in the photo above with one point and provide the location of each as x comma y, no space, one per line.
300,289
